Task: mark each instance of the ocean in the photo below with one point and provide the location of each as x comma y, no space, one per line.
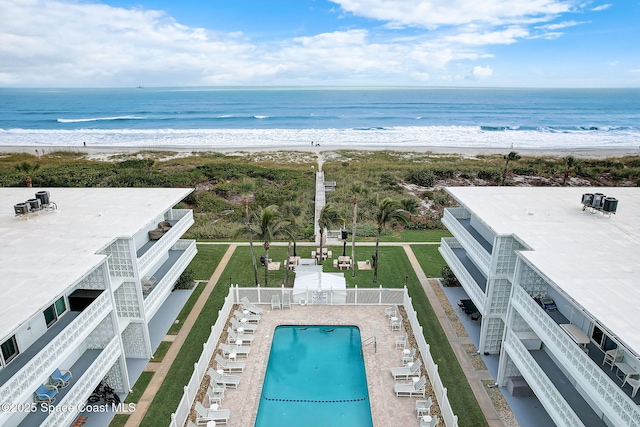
359,118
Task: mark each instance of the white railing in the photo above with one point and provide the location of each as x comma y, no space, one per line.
84,386
146,261
176,214
612,400
474,249
448,417
38,369
379,296
558,408
158,294
179,418
466,280
355,296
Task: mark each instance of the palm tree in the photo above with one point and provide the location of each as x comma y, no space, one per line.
246,188
329,217
507,158
291,231
356,189
27,168
570,161
269,225
411,205
389,210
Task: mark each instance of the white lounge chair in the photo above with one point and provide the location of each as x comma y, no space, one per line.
286,300
275,302
423,407
206,415
433,423
233,337
248,306
229,365
240,351
246,327
251,318
401,341
215,394
416,389
396,323
224,380
406,372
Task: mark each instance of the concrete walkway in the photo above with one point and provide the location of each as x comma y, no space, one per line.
162,368
473,377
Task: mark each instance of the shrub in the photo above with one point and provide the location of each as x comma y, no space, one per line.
186,280
423,178
490,175
448,278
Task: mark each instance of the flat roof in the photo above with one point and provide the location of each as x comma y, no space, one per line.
593,258
42,255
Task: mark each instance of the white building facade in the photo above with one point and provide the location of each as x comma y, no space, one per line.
515,250
81,277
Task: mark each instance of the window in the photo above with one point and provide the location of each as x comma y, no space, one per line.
9,349
61,306
50,315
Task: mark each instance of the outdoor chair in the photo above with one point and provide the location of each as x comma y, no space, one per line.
433,422
60,379
248,306
229,365
244,327
251,318
234,338
46,393
275,302
286,300
401,341
423,407
406,372
215,394
206,415
391,311
408,355
633,382
611,357
238,350
416,389
224,380
396,323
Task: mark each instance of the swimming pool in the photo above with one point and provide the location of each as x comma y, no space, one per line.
315,377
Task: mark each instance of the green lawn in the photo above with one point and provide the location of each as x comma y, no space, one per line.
139,387
161,351
206,261
430,259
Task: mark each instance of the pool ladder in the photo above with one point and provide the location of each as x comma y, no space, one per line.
366,342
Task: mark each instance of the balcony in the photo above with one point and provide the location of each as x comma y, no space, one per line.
471,278
459,224
587,374
179,258
35,364
88,371
153,249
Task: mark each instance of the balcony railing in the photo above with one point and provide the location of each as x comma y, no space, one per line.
466,279
84,386
38,369
476,251
558,408
613,401
158,294
146,261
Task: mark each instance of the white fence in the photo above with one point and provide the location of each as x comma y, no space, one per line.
367,296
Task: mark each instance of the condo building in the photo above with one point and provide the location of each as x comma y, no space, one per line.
83,274
553,277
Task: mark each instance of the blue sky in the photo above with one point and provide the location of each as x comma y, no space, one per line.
494,43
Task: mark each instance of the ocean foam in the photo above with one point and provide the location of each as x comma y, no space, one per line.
402,137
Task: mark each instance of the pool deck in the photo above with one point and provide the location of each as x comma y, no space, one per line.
386,409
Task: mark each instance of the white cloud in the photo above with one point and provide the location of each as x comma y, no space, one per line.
436,13
481,73
602,7
69,43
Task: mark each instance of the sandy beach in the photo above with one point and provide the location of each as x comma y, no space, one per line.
97,152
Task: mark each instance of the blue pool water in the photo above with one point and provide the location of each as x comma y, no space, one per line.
315,377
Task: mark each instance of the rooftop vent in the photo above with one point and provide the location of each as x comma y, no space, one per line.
598,202
41,203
